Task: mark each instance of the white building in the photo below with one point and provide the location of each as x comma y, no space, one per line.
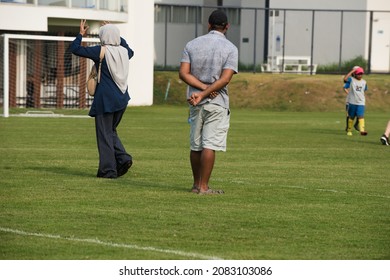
355,27
187,22
62,18
326,31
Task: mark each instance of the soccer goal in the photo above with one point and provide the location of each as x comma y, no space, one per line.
41,72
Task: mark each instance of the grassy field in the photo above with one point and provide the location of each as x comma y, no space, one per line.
296,187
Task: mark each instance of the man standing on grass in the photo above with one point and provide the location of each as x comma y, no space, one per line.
207,66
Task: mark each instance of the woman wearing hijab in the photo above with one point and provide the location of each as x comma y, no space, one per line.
111,96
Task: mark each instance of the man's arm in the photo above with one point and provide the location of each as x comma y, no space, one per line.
223,81
186,76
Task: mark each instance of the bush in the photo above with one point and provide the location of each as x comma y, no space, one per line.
345,66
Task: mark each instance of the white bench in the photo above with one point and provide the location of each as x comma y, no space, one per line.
290,64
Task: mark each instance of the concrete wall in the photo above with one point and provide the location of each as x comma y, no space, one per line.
380,36
139,32
247,33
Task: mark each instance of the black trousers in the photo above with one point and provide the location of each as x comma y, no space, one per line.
112,154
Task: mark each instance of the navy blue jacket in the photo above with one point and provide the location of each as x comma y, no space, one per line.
108,97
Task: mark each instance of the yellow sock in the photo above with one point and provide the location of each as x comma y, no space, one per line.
361,125
350,124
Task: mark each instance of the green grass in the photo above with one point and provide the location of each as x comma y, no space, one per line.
296,188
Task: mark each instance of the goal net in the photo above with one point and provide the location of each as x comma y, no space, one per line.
41,72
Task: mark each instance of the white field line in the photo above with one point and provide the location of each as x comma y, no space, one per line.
110,244
50,116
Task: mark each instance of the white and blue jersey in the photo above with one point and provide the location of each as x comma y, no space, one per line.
356,91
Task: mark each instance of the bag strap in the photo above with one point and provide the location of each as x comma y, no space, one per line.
102,51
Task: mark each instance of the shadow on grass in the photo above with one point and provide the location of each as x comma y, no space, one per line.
355,138
61,170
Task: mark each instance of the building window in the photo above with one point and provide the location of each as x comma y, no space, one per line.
234,15
118,5
162,13
194,15
83,4
52,3
18,1
177,14
274,13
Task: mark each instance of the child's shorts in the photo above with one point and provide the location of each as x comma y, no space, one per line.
356,111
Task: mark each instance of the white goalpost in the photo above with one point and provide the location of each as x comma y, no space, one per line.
23,68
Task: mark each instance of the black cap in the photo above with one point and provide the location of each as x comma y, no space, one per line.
218,18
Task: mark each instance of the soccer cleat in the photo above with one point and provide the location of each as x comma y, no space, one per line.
385,140
363,133
349,133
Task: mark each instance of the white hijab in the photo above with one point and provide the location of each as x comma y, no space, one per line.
117,57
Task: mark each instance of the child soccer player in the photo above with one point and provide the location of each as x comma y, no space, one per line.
356,125
355,86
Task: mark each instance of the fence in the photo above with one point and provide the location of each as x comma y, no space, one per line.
329,41
39,71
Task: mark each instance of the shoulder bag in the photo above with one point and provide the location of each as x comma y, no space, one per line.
94,77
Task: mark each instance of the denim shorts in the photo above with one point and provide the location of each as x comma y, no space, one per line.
209,127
